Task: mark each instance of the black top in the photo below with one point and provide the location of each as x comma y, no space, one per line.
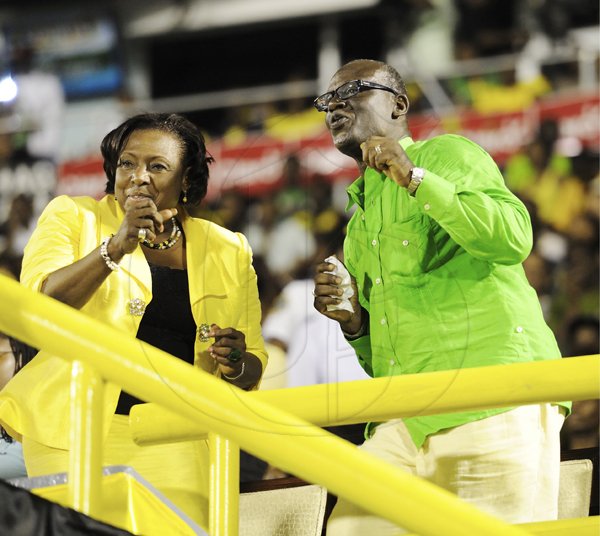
167,323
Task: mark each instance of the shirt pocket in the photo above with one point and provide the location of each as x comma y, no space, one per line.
404,249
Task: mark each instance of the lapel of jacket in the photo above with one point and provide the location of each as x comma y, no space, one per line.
206,259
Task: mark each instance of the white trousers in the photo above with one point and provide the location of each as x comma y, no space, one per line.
507,465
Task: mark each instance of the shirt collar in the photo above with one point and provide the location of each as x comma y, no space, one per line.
356,191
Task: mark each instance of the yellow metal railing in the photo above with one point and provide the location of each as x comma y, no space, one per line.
224,485
243,418
87,390
401,396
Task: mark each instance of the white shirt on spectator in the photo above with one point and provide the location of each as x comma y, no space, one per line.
41,99
316,349
289,244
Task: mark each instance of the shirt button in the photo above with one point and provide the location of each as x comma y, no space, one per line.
426,206
382,321
374,243
378,281
391,361
405,242
362,217
519,329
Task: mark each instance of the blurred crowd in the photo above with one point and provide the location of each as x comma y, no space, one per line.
482,55
303,219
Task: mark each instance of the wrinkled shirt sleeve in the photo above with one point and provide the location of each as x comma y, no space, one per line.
472,204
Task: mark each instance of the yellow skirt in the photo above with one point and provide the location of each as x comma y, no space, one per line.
178,470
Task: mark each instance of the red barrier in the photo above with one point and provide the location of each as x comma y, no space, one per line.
256,165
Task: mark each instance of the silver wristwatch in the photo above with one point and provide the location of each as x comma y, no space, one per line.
416,176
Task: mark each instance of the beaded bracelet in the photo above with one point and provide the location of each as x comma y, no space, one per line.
105,256
238,376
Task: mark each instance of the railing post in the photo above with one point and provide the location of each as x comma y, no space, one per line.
85,440
224,492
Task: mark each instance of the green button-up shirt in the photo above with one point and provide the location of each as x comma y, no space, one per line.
440,273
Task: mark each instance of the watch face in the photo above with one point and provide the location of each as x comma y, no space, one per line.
417,173
416,176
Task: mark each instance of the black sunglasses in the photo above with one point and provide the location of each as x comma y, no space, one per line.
347,90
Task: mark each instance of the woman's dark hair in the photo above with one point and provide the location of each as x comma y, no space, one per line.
23,354
195,158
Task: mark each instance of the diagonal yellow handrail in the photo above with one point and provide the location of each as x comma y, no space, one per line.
401,396
259,428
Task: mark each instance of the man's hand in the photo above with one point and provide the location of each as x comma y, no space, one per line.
329,292
388,156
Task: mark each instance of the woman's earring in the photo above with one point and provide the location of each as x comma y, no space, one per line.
184,200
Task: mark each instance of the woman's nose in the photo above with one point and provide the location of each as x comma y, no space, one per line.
139,176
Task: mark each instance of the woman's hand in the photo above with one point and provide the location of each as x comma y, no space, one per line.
228,350
237,365
140,213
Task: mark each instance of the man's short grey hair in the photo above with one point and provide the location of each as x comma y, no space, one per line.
391,77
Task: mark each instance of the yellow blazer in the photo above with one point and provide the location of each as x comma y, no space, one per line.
223,291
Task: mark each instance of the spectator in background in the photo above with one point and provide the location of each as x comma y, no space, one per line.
560,199
27,183
523,170
40,98
549,179
564,264
17,229
543,27
316,351
290,242
230,211
582,428
505,95
274,376
14,355
577,273
277,224
262,217
485,28
578,279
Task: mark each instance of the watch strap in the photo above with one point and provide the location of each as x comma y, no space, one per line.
416,177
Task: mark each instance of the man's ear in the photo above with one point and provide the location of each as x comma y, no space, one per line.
401,106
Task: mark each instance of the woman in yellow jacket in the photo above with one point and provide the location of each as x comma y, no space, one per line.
138,261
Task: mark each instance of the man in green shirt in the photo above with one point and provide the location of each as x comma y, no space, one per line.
434,249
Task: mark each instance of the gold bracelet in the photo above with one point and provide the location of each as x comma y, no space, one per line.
230,378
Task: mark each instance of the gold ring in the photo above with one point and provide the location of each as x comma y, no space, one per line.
142,234
378,149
